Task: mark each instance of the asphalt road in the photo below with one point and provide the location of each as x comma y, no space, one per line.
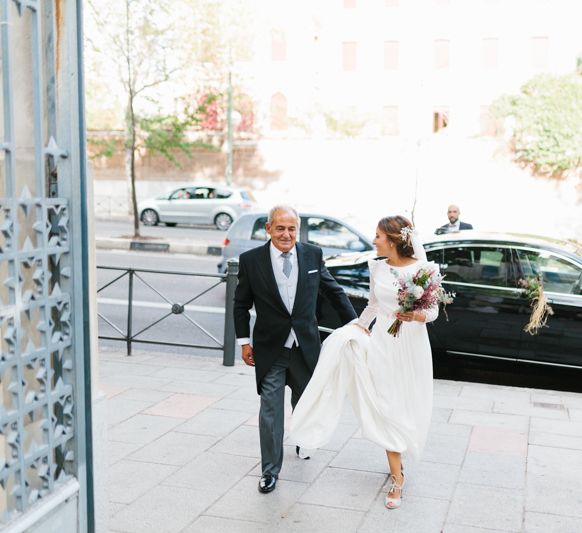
201,322
124,228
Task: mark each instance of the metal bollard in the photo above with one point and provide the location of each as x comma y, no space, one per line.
229,333
129,312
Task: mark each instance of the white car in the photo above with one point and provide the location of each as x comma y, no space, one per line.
197,204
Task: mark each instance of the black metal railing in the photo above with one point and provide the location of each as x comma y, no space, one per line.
129,336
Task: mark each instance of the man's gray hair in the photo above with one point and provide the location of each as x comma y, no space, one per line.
283,207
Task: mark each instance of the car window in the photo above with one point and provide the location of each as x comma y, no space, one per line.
203,193
190,193
478,265
557,274
435,255
181,194
222,193
328,233
259,232
351,275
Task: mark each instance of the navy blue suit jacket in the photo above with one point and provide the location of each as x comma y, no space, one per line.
257,286
462,226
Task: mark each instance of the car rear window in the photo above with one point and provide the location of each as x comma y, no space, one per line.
259,232
328,233
221,193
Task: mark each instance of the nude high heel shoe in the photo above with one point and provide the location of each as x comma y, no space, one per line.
394,503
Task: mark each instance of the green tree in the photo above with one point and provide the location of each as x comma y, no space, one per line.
141,50
165,134
134,35
546,124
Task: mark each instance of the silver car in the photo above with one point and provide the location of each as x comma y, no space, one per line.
197,204
331,234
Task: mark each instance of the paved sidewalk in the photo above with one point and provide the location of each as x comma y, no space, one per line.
184,457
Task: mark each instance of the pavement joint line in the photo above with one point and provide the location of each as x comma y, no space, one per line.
211,364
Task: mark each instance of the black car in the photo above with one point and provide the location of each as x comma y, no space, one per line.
487,318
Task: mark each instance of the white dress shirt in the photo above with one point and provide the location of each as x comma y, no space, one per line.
287,287
454,228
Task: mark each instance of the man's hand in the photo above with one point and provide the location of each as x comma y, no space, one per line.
247,354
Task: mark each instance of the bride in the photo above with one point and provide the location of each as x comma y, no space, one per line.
388,379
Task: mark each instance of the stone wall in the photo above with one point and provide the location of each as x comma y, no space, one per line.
202,164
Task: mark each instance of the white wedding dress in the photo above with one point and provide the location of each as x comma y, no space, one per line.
388,379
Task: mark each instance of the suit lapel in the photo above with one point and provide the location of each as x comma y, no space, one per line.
266,268
301,274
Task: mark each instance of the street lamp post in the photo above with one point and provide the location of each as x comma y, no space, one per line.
233,119
229,133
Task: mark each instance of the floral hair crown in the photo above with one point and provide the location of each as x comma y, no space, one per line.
406,235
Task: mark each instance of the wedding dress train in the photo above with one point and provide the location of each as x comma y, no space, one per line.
387,379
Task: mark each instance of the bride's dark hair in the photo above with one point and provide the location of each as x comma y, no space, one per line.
392,227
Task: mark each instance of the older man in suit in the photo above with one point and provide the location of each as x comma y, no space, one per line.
282,280
454,224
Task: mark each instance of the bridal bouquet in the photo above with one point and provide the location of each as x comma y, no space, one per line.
419,292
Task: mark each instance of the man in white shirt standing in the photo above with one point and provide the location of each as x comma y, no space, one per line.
454,225
282,280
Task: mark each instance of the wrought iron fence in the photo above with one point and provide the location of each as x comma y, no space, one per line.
172,309
107,206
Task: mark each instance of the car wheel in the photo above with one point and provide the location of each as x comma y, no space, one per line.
149,217
223,221
170,224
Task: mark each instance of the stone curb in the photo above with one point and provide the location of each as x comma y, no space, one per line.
159,246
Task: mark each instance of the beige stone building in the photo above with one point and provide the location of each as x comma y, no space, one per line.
402,68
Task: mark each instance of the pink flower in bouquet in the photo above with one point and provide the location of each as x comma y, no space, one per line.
419,292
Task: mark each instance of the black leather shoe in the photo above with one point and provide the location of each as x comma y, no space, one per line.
300,454
267,483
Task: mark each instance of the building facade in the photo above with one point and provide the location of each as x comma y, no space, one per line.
403,68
